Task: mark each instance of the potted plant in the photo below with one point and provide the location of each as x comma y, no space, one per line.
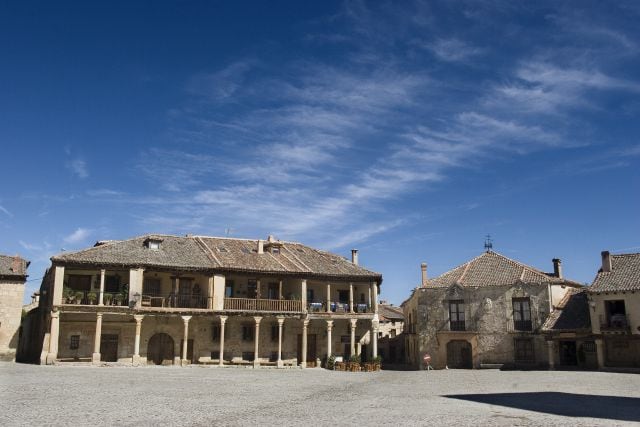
107,299
69,296
331,362
118,299
377,362
92,297
79,297
354,363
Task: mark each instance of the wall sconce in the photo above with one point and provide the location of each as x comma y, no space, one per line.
592,304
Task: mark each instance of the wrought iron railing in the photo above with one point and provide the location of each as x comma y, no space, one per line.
614,322
252,304
174,300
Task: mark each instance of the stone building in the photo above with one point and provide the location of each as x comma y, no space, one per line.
176,300
13,275
614,301
390,338
486,312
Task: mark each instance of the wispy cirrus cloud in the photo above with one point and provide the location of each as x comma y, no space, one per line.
78,167
453,50
79,235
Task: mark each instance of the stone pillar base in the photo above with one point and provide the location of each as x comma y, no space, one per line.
184,362
95,358
303,365
50,359
280,364
135,360
256,364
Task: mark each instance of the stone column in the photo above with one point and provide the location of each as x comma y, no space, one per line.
374,339
353,335
54,336
58,285
136,344
374,292
280,290
303,299
96,343
185,340
280,323
256,355
351,297
551,355
303,362
101,296
223,320
600,352
328,297
329,330
369,300
210,293
258,293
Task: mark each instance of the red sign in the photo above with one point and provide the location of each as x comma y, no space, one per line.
427,358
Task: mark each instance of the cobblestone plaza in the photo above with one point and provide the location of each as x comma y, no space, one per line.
110,395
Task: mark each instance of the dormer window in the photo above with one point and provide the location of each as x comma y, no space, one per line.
152,244
275,250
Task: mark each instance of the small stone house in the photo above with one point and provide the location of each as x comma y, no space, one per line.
162,299
486,312
13,275
390,338
614,302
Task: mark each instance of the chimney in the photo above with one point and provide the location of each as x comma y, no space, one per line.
557,267
260,246
423,267
354,256
606,261
16,264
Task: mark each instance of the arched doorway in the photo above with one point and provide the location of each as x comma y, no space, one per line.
459,355
160,348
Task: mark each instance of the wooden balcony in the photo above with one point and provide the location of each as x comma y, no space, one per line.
251,304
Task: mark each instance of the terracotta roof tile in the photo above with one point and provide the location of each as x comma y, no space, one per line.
624,275
571,314
13,266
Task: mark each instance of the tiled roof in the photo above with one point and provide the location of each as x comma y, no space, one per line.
624,275
218,253
391,313
571,314
493,269
13,266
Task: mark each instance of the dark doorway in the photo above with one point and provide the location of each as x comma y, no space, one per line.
160,348
189,350
109,348
568,353
311,350
459,355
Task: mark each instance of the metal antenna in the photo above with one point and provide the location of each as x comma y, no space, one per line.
488,243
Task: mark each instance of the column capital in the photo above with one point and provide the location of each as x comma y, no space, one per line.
305,323
99,315
353,322
280,320
186,319
257,319
103,271
223,319
329,323
55,314
138,317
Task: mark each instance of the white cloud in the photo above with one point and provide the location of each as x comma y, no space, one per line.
78,167
453,50
6,211
78,236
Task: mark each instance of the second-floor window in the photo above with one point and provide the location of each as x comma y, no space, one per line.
522,314
215,332
252,289
247,333
456,315
228,289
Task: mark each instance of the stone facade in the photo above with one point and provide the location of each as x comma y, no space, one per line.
486,312
12,285
213,314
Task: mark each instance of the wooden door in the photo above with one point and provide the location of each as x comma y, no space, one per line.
160,348
459,355
109,348
312,353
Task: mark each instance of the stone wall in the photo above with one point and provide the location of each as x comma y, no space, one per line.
11,297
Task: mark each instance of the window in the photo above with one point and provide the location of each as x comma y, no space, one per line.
616,314
362,299
153,244
112,284
343,297
524,350
151,287
247,333
79,282
215,332
252,286
74,343
273,290
275,251
310,295
274,332
228,289
456,315
521,314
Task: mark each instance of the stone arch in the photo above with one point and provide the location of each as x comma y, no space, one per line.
160,349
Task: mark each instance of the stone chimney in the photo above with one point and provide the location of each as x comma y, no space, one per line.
260,246
606,261
423,267
16,265
557,267
354,256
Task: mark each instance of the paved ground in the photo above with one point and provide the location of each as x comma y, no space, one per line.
84,395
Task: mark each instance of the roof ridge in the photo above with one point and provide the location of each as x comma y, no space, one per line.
524,266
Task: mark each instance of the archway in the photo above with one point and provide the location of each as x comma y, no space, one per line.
160,348
459,354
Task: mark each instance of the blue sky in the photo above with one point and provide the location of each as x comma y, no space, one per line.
408,130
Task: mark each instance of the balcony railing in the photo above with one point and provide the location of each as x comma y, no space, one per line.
174,301
337,307
251,304
614,322
457,325
74,297
521,325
